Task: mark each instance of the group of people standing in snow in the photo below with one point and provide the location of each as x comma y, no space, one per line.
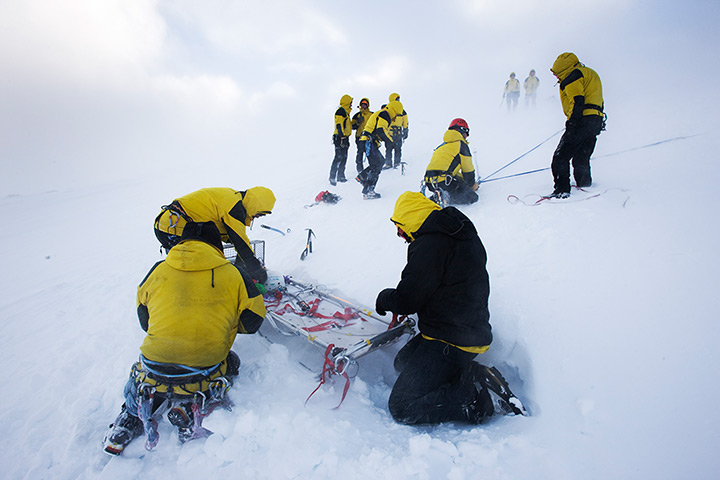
194,303
511,91
388,126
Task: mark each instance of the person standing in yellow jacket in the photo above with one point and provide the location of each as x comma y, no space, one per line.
341,140
231,211
398,134
582,102
531,85
192,305
358,123
451,168
376,131
511,92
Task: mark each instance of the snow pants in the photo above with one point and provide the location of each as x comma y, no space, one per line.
394,149
435,385
337,168
576,145
460,192
360,154
370,175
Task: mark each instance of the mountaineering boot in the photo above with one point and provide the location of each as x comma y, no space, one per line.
182,417
342,179
333,182
371,195
504,400
481,409
124,430
560,195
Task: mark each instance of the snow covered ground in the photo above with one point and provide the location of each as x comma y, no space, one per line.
603,310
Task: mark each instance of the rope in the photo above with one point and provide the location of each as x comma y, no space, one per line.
521,156
592,158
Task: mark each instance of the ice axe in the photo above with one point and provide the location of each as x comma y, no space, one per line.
308,244
268,227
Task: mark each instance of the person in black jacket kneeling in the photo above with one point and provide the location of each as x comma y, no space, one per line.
446,283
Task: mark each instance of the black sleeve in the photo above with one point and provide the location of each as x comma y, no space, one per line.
578,108
246,259
420,278
251,321
143,316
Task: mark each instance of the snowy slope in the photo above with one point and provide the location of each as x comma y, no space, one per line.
602,310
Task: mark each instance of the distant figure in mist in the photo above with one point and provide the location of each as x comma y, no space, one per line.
511,92
582,101
531,85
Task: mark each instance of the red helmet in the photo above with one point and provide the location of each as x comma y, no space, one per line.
460,125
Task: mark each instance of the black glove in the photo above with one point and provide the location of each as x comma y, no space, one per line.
405,133
381,304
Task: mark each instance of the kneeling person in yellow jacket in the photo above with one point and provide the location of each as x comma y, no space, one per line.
192,305
451,168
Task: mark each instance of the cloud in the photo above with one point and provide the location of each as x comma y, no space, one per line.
268,28
79,41
204,92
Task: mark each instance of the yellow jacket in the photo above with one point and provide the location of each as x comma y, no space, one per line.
360,119
193,304
230,210
531,84
378,125
512,86
580,87
343,124
453,158
401,120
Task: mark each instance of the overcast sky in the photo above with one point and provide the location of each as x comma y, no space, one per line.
99,90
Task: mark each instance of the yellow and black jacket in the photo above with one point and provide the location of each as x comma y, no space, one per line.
445,280
452,158
531,84
580,88
360,119
377,127
512,86
193,304
343,123
231,211
399,125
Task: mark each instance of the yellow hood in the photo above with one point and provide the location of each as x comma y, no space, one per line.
257,200
345,101
411,211
564,64
395,108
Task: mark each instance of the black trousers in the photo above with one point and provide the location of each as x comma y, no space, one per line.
576,145
394,149
337,168
460,193
360,154
370,175
435,385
